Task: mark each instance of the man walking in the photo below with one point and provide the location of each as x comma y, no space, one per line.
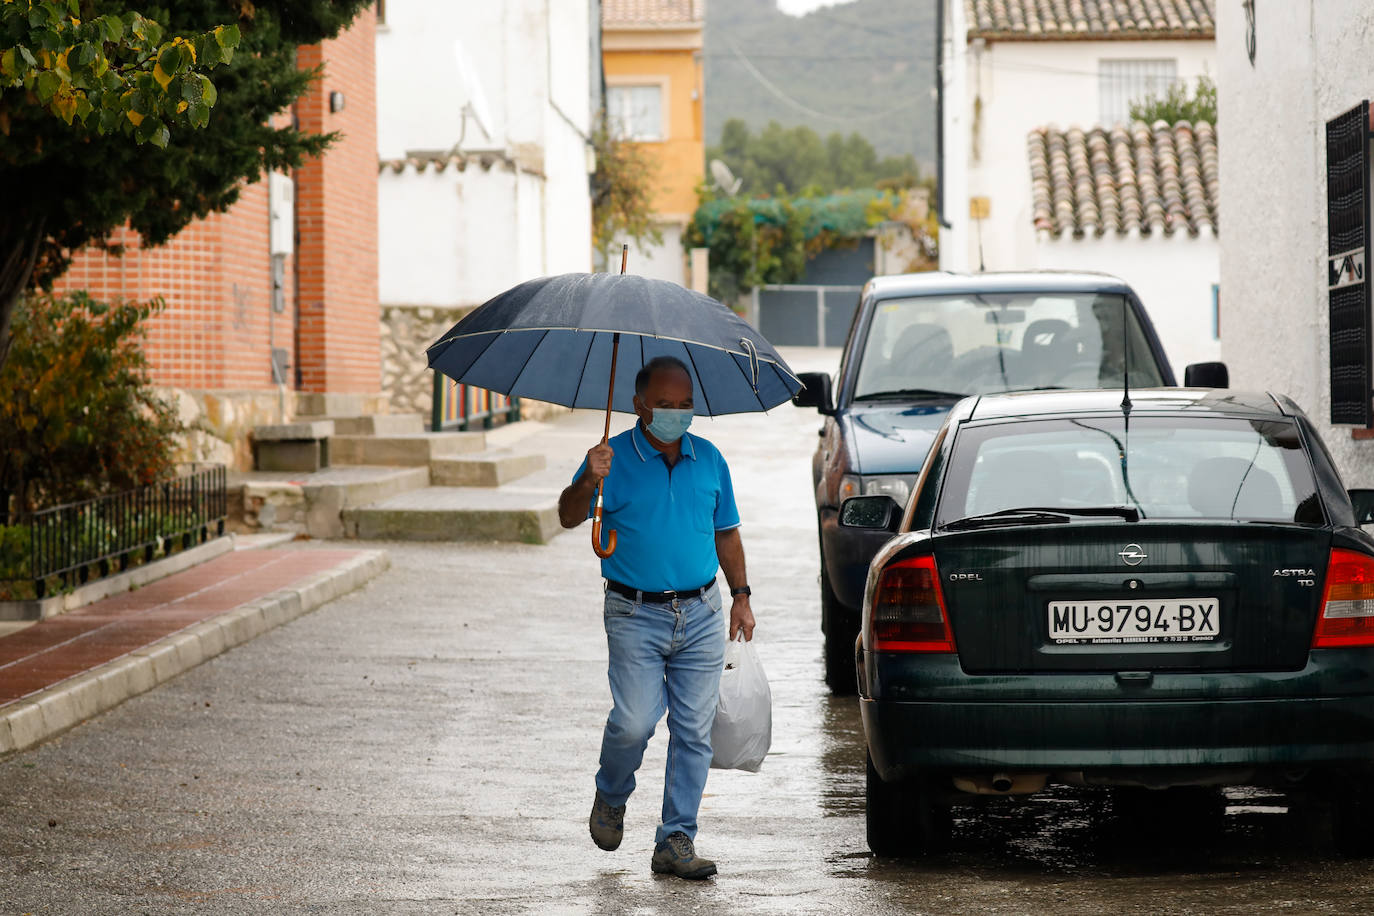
669,497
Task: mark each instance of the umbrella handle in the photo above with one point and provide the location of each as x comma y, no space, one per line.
609,549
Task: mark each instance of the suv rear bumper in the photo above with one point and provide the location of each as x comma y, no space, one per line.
1321,715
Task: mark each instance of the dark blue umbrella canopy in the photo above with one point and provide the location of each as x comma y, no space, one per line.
550,339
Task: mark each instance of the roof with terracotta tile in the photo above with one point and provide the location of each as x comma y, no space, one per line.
1095,20
1129,179
652,12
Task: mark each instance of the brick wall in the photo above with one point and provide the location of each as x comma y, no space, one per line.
218,329
337,219
215,276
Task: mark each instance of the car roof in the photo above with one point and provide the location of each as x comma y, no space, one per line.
1191,401
940,282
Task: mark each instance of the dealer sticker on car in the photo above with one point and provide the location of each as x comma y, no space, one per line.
1120,622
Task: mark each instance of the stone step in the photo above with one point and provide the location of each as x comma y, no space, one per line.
296,447
492,468
529,516
413,450
262,501
381,424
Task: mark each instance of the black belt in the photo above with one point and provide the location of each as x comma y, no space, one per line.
635,594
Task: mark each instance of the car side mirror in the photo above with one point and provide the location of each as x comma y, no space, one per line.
1206,375
815,392
1363,501
875,513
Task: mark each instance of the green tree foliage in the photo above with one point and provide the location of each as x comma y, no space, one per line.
764,240
622,195
748,247
795,160
71,184
80,415
110,73
1177,104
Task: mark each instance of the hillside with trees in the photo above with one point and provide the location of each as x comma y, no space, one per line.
798,161
865,68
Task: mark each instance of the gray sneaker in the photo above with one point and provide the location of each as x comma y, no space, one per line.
677,856
607,823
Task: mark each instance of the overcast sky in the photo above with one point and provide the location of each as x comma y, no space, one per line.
802,7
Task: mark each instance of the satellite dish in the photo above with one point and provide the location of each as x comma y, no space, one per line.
725,179
476,105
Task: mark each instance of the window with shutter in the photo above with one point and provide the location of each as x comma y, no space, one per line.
1347,214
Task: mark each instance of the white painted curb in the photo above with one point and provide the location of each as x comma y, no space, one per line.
70,702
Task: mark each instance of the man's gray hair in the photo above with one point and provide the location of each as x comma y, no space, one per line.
645,375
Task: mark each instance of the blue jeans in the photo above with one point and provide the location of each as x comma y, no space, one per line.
662,657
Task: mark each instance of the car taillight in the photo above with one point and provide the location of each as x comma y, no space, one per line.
909,610
1347,617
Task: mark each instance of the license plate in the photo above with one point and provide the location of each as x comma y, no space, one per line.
1134,622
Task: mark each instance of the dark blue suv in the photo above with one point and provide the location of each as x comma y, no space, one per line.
919,343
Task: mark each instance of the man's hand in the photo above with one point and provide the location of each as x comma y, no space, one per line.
741,618
574,501
599,461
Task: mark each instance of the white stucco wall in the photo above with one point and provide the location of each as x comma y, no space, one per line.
954,194
1272,115
456,238
1172,275
666,261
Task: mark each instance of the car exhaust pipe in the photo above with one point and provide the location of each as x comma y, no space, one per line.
1002,783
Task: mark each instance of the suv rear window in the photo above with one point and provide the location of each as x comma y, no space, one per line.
1166,467
981,343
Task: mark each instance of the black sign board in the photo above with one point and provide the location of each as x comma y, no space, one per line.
1348,299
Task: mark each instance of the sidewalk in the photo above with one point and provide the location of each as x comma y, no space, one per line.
60,671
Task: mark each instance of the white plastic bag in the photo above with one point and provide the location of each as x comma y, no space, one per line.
744,713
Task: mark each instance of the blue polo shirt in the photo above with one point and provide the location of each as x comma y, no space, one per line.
665,518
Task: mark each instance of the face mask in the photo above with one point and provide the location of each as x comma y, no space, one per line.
669,424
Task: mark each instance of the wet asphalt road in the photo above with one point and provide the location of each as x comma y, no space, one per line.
427,745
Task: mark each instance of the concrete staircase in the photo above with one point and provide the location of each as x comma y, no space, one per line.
389,479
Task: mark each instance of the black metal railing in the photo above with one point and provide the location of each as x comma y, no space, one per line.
78,541
459,406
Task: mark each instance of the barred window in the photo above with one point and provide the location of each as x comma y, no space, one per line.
1122,82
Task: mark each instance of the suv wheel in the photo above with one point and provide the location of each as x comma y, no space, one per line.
903,817
841,629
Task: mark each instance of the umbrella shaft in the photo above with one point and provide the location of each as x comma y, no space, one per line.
610,393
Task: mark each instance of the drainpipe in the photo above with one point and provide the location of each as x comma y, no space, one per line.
940,115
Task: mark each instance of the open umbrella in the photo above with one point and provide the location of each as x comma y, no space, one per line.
559,339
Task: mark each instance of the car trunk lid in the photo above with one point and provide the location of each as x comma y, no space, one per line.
1095,596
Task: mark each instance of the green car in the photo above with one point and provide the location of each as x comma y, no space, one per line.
1150,589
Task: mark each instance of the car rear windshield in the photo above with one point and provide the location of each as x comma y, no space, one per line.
981,343
1164,467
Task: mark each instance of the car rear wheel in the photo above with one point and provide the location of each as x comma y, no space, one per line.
841,628
904,819
1352,812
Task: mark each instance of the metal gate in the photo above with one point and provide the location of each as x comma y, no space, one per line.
804,314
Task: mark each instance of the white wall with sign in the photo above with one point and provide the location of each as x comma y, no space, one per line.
1311,63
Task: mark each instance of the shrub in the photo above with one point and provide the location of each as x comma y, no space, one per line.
79,413
1177,105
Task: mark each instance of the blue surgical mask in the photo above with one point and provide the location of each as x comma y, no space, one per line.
670,423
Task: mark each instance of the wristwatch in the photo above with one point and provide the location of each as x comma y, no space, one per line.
742,590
